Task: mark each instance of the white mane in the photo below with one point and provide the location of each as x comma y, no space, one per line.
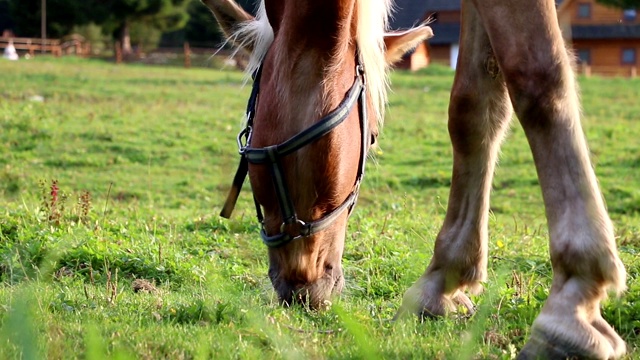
372,23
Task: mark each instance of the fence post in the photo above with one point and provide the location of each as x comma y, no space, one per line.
634,72
587,70
32,49
187,55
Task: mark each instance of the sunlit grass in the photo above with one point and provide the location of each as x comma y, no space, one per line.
154,147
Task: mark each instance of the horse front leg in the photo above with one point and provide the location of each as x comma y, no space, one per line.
537,69
479,114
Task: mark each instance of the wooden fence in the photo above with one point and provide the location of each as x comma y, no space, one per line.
33,46
190,56
77,45
608,71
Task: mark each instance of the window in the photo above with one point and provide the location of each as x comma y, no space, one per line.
629,56
584,56
629,15
584,11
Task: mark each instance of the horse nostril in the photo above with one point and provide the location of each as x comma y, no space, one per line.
328,268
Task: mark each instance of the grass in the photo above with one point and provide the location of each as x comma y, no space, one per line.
131,261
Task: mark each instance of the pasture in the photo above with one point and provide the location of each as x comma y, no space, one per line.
111,179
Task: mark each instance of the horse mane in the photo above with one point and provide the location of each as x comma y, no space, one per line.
259,34
372,22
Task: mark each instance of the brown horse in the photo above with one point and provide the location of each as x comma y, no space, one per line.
317,67
306,140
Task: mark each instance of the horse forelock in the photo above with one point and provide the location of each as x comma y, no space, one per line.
372,22
259,34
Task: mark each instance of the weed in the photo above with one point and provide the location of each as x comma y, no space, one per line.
84,205
52,201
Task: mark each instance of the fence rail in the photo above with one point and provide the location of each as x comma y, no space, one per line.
608,71
74,45
77,45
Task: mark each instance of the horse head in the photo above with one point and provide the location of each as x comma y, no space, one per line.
321,75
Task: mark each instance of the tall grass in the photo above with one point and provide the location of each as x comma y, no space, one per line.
111,178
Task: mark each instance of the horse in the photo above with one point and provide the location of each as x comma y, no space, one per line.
319,65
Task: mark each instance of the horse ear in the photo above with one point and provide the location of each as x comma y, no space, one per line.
229,15
397,43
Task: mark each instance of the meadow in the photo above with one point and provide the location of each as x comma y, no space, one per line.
112,176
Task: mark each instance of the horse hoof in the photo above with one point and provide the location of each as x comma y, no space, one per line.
539,348
543,347
425,306
464,305
458,304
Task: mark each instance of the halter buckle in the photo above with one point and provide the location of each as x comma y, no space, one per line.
360,73
243,144
294,228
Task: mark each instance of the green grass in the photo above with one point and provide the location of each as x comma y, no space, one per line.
143,157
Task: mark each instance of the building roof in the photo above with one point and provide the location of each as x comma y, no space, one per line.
444,34
409,13
598,32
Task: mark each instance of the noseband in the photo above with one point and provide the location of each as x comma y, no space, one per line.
292,227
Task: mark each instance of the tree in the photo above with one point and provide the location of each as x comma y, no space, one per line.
160,15
62,16
201,29
622,4
6,23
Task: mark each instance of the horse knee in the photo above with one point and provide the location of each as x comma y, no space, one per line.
541,88
461,107
477,117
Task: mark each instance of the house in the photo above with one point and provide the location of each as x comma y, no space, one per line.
606,40
443,17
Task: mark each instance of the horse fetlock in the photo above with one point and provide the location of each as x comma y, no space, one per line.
602,268
562,336
618,345
427,298
616,275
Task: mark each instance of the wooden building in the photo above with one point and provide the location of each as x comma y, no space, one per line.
443,17
606,40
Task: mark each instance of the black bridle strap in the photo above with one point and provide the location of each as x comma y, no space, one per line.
311,134
307,136
243,167
307,229
236,186
272,154
287,208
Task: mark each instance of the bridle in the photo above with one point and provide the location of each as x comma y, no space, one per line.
292,227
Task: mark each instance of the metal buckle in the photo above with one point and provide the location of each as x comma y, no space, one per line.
294,229
246,132
360,72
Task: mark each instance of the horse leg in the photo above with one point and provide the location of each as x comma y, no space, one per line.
479,114
537,69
